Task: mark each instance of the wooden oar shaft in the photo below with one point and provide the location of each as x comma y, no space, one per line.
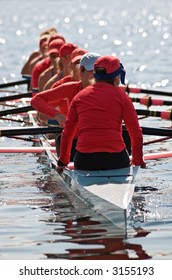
16,96
11,84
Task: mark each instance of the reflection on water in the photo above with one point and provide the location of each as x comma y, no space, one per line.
92,240
41,218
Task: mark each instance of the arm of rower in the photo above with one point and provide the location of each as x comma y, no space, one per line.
46,101
135,132
26,67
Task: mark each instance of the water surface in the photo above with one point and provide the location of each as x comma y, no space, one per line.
39,217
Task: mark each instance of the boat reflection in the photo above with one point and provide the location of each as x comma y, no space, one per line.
97,241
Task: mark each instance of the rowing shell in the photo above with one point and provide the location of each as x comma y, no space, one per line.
109,192
115,186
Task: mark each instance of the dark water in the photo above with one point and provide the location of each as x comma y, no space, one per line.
39,217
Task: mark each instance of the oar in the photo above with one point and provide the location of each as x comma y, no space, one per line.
161,114
15,83
15,120
147,91
8,105
9,91
30,130
26,149
16,96
29,139
158,155
156,131
148,101
52,129
16,110
157,140
149,156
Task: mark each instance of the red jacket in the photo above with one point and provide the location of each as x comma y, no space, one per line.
65,79
47,101
97,113
37,70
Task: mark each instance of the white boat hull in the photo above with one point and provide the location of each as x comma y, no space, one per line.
114,186
108,192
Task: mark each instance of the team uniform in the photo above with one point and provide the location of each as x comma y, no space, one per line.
56,101
39,68
60,96
96,115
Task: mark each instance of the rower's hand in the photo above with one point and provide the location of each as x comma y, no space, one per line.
60,169
143,165
42,118
61,119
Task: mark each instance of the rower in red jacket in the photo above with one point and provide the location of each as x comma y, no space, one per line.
48,98
47,101
96,114
65,61
41,53
40,67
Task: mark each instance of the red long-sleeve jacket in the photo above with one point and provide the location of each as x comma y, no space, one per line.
39,68
97,113
61,96
64,80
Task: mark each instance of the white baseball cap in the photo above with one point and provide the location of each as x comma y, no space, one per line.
88,60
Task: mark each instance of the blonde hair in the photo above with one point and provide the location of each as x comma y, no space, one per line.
49,31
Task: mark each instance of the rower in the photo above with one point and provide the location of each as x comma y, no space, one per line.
65,62
40,67
39,54
96,114
82,64
49,99
55,68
